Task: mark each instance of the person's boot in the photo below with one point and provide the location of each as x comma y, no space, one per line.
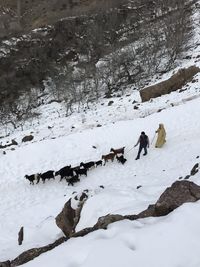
137,158
144,154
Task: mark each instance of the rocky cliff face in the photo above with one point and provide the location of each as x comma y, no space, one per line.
63,41
38,13
26,60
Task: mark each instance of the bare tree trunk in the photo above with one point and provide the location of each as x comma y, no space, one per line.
19,11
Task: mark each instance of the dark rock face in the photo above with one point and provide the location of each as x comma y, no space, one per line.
33,253
45,52
65,219
177,81
5,264
68,218
178,193
173,197
14,142
27,138
110,103
104,221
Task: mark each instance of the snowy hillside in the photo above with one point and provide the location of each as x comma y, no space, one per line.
35,207
168,241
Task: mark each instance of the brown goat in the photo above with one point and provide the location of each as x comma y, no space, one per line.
107,157
118,151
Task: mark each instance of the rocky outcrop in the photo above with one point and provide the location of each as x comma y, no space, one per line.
13,143
27,138
29,59
173,197
65,219
104,221
35,252
37,13
177,81
68,218
5,264
178,193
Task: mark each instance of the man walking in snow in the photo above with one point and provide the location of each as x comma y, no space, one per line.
144,143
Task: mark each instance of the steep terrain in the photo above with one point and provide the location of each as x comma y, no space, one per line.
75,139
86,135
39,13
35,207
110,49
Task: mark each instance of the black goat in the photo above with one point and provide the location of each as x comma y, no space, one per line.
99,163
63,171
72,180
87,165
121,159
47,175
32,178
81,171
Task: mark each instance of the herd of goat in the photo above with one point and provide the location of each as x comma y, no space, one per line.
72,174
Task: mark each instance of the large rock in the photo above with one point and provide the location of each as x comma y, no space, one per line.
5,264
68,218
65,219
177,81
174,196
30,254
179,193
104,221
27,138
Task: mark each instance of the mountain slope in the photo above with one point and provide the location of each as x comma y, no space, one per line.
35,207
86,135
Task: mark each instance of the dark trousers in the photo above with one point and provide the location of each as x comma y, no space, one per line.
140,149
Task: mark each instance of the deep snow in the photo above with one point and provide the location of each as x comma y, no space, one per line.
170,241
35,207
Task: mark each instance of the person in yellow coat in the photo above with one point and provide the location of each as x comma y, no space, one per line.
161,139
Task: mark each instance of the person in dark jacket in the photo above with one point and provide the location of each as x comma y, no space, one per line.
144,143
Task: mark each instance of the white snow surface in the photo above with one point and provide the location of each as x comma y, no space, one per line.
170,241
145,242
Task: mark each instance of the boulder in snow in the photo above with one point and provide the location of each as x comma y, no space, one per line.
14,142
5,264
27,138
110,102
177,81
104,221
69,217
65,219
179,193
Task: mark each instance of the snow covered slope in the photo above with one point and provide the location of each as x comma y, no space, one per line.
35,207
170,241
